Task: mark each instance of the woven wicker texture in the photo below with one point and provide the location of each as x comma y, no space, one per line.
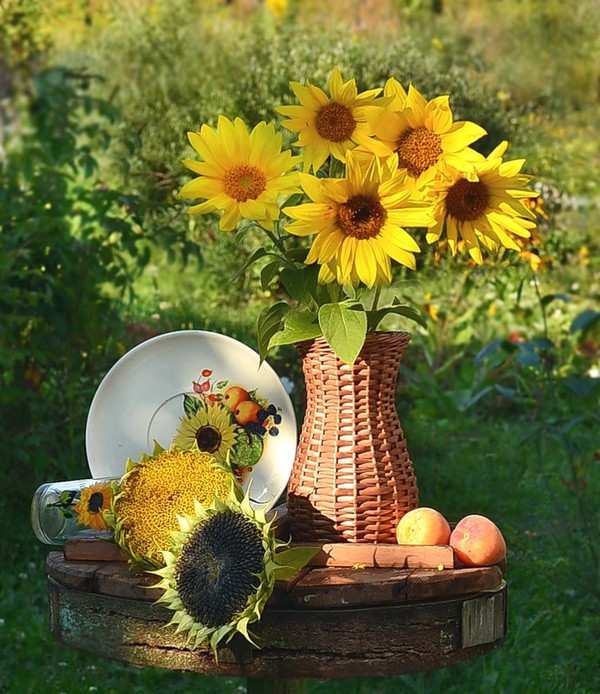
352,478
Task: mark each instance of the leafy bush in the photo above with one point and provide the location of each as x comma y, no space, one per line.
64,232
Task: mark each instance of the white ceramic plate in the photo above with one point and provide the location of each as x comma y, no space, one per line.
209,387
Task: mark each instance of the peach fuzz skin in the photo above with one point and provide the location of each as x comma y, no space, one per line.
423,526
477,541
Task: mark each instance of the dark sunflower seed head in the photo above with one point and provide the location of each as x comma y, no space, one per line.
217,568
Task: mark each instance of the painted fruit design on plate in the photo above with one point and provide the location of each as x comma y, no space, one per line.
228,421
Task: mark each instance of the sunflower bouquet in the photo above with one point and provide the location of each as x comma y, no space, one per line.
373,171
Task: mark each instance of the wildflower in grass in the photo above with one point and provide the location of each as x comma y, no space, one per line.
243,174
531,248
210,428
328,125
94,500
278,8
483,205
221,569
154,491
358,222
422,133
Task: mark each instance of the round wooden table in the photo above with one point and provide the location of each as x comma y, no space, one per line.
330,622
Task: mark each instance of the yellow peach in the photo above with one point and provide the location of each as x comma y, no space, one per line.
423,526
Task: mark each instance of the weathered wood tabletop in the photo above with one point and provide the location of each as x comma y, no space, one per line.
332,621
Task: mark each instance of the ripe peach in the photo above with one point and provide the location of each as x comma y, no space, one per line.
477,541
423,526
233,396
246,412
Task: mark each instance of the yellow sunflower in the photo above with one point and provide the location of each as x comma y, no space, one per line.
242,174
358,222
154,492
422,133
484,206
92,502
221,569
328,125
211,428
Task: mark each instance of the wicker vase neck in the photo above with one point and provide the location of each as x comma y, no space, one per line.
352,478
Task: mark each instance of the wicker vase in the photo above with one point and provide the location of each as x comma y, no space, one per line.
352,479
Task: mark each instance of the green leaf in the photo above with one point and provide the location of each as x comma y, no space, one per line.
529,359
242,627
393,293
299,325
270,321
344,326
298,255
585,320
582,387
539,343
302,285
268,273
488,350
257,255
549,298
293,200
191,405
375,317
290,561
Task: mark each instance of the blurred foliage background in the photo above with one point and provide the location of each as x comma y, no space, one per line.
498,397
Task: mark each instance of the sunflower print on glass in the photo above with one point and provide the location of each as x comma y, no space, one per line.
92,504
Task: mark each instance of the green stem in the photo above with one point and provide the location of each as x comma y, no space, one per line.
536,284
278,242
376,298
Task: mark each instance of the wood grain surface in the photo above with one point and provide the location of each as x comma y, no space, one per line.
330,622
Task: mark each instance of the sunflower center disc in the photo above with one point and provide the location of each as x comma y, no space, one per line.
418,149
208,438
244,182
95,502
335,122
218,568
467,200
362,217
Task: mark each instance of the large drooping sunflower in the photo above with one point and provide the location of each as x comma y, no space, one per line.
242,174
211,429
154,491
94,500
358,222
485,206
222,568
328,125
422,133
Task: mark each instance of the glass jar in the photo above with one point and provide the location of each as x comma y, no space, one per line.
61,510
